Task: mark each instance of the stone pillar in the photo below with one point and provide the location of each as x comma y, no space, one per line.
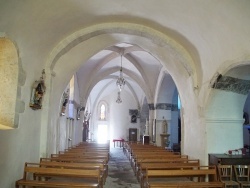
147,128
151,121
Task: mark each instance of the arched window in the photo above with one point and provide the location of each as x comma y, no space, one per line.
103,112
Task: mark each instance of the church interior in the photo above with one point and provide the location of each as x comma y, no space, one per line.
173,74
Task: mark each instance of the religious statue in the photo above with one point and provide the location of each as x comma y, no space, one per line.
87,115
164,126
85,131
86,118
65,102
38,90
78,112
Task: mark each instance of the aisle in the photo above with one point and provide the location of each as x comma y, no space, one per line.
121,174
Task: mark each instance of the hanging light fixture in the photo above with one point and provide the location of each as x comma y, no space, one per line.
120,81
119,99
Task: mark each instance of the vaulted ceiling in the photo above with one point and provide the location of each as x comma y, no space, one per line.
206,33
139,69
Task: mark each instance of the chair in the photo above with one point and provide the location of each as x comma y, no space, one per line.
242,175
226,176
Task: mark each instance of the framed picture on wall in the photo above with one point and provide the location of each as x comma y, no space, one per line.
133,118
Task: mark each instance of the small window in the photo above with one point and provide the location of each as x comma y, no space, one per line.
103,112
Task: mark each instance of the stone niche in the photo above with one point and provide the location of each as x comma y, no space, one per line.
8,83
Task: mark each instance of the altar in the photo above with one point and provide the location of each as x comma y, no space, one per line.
164,140
118,141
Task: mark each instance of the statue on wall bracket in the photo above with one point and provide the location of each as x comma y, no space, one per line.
65,100
38,90
164,126
78,114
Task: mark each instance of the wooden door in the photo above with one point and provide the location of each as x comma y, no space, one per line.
132,135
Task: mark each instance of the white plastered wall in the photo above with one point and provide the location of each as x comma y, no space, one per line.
66,127
22,143
119,119
224,121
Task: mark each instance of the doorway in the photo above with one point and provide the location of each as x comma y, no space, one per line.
102,133
133,135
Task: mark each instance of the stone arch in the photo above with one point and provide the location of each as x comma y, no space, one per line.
177,56
165,109
224,107
12,77
155,36
177,60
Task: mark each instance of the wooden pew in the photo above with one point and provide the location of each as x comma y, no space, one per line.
77,160
75,157
164,166
97,165
106,154
91,148
92,145
148,155
135,163
134,146
78,154
181,177
84,150
83,155
139,153
80,159
69,175
189,185
153,149
165,160
128,147
74,160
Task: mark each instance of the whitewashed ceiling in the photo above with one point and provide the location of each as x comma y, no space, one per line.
211,32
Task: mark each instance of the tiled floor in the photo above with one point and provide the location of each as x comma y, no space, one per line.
121,175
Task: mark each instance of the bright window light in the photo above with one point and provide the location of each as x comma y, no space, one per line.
179,102
102,134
